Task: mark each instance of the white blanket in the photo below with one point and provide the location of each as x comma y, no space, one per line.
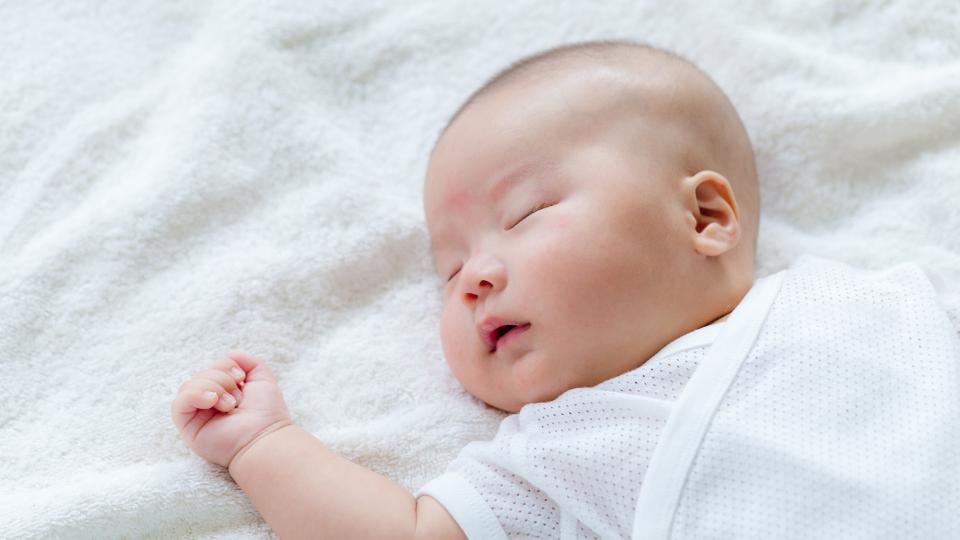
182,179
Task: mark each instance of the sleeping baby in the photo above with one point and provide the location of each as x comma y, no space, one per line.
593,214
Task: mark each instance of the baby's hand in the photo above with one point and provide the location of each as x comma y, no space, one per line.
219,411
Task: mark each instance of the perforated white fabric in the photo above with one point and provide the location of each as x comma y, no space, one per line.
572,467
842,421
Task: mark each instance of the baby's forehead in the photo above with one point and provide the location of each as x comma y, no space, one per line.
576,98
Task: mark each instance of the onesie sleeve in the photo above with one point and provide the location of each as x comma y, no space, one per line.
488,497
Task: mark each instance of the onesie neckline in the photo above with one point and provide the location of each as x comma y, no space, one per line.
704,335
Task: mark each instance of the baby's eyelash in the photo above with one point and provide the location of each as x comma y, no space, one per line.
453,274
540,206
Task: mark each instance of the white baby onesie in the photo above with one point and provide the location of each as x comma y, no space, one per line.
829,407
607,431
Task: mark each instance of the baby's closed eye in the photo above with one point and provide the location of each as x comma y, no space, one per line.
537,208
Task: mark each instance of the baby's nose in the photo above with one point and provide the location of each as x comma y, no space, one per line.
477,291
482,275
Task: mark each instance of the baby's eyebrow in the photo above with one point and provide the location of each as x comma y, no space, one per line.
500,187
509,180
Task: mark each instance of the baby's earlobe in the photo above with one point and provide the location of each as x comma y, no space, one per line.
715,240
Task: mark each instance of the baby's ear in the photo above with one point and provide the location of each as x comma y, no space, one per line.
714,217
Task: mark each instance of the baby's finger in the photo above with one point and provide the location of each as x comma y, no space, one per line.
193,395
225,380
229,366
206,393
256,367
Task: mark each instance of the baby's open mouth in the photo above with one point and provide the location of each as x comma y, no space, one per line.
505,331
492,331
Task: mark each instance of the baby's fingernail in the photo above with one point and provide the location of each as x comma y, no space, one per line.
236,395
228,399
209,395
237,373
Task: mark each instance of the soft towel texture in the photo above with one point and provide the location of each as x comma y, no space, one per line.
178,179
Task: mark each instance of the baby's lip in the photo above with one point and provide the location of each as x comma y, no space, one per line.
487,330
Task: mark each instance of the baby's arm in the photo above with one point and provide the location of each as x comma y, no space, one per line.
303,489
234,415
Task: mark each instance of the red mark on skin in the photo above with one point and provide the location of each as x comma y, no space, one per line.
456,200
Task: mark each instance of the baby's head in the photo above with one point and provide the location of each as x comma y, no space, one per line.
602,197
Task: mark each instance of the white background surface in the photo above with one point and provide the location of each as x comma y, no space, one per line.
178,179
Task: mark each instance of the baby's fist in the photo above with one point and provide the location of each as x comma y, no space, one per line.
222,409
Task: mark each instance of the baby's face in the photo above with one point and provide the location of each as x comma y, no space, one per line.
545,213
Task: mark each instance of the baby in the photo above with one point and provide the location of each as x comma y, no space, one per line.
593,212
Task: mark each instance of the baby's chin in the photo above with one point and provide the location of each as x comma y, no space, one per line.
501,401
513,404
504,402
531,378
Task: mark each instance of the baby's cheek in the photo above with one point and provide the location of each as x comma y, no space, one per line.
553,245
459,343
563,261
452,337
